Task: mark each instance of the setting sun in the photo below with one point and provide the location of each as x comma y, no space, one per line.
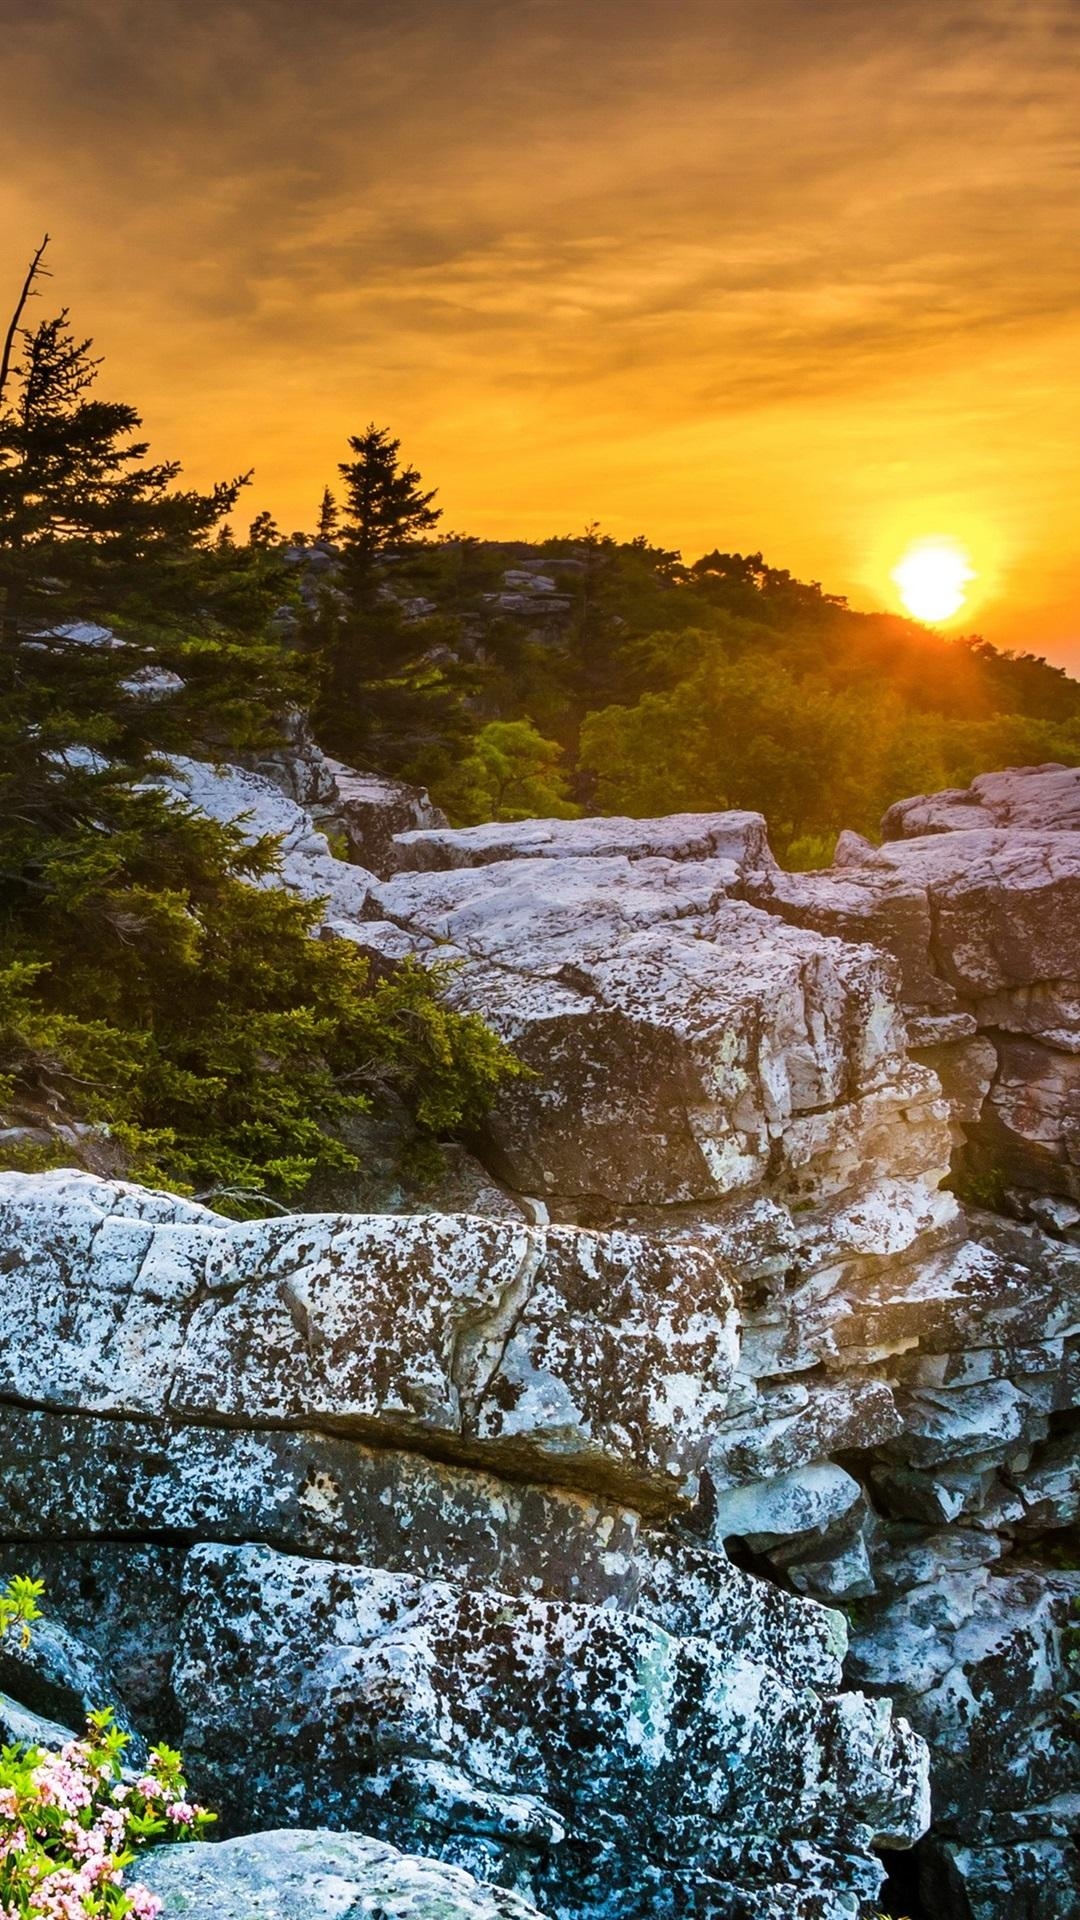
932,578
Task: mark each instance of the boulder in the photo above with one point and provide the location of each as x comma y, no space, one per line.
306,1874
552,1353
740,837
686,1046
587,1757
374,811
260,807
1046,798
979,1661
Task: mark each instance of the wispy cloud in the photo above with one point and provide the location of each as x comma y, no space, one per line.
604,252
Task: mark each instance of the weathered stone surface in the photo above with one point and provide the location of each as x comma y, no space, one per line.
597,1360
317,1875
58,1676
574,1752
724,1085
976,895
258,806
121,1601
686,1046
1046,798
1004,903
976,1659
19,1726
808,1501
297,766
740,837
374,811
867,903
65,1476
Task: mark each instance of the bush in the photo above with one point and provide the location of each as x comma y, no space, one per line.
72,1823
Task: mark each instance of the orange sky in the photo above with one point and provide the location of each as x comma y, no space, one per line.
791,274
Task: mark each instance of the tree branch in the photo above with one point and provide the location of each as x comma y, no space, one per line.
34,271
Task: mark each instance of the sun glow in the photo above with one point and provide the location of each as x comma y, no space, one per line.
932,578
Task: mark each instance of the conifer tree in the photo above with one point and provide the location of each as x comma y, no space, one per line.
385,505
328,516
146,987
392,688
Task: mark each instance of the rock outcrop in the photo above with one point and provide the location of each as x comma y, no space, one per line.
517,1536
317,1875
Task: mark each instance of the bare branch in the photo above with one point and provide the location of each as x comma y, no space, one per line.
34,272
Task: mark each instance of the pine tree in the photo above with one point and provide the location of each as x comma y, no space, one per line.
393,687
146,987
264,531
328,517
385,505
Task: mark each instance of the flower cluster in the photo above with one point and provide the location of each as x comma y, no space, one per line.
72,1822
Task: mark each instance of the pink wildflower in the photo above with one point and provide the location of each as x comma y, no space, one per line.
144,1904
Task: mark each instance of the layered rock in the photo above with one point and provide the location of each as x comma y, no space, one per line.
509,1540
376,814
767,1054
583,1755
977,894
546,1352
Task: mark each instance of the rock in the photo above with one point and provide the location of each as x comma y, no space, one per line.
20,1727
740,837
258,807
808,1501
582,1755
72,1475
685,1045
298,767
121,1601
1038,1878
1003,901
977,1661
317,1875
59,1677
595,1360
374,811
759,1319
1046,798
153,683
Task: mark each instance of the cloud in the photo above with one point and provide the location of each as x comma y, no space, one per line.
558,238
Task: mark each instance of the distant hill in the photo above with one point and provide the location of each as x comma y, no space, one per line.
609,676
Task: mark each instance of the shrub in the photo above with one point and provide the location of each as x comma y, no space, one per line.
72,1822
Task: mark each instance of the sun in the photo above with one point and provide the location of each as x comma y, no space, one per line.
933,577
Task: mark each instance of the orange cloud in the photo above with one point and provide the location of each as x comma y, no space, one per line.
744,272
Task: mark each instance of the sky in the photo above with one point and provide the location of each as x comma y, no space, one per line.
797,275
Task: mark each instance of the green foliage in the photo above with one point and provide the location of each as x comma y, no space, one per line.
220,1045
384,503
71,1823
390,687
19,1606
509,773
148,987
979,1186
737,728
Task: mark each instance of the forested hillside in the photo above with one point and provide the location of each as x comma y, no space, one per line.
587,674
577,675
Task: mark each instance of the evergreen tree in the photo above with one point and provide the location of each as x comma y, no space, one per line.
392,683
146,986
328,516
264,531
385,505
